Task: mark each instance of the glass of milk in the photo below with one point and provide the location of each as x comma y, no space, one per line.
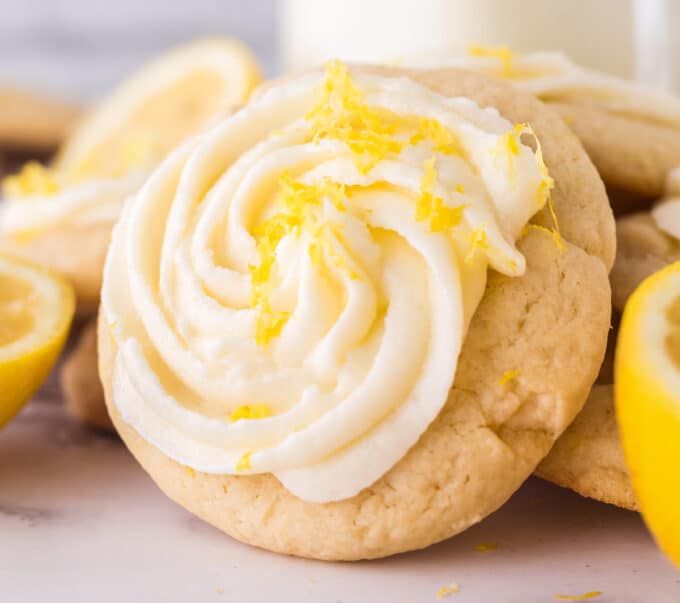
594,33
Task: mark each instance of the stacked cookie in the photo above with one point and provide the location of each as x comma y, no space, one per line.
632,134
350,318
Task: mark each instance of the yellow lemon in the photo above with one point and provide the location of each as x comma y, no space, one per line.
36,308
647,384
172,97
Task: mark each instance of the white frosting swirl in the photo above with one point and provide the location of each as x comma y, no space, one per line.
373,300
553,77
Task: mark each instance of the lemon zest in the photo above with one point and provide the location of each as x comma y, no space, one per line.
507,147
297,204
478,240
446,591
431,208
251,411
486,547
591,595
508,376
33,179
502,53
341,113
443,139
244,462
189,471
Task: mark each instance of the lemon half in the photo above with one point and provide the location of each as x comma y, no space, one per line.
36,309
647,388
172,97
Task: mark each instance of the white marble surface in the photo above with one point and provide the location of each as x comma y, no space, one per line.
81,522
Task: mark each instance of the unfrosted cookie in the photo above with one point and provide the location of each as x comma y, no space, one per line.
528,361
588,458
633,155
643,249
79,377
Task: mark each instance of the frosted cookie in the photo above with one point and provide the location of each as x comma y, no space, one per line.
647,241
632,133
31,123
343,324
62,216
588,458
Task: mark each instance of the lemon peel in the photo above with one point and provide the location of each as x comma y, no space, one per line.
584,597
33,179
478,240
243,463
486,547
297,207
502,53
341,113
430,208
447,591
508,376
251,411
444,141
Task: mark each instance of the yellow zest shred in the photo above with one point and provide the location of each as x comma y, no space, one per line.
341,113
502,53
189,471
444,140
251,411
446,591
508,376
297,204
478,240
244,462
591,595
322,247
486,547
432,208
33,179
507,148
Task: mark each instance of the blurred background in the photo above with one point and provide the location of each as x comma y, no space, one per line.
79,49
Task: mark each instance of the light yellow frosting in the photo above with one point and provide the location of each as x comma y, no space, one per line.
552,76
289,292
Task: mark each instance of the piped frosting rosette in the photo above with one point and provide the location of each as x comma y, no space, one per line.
289,293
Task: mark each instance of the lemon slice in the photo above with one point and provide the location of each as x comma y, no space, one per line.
647,386
36,308
174,96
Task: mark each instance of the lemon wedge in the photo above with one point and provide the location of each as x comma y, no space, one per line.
647,388
36,308
174,96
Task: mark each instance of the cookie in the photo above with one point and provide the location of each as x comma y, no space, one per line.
80,384
631,133
32,123
643,248
588,458
530,356
61,216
